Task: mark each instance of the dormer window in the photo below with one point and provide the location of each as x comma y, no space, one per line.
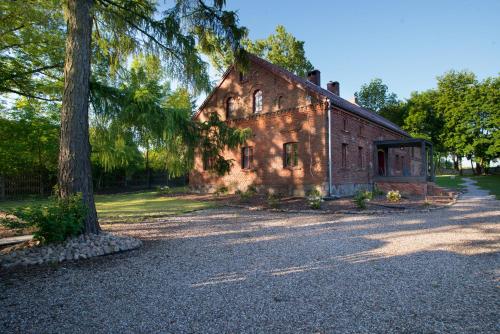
230,107
257,101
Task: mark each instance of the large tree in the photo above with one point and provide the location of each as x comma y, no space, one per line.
123,27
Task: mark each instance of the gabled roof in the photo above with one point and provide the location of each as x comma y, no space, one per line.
335,100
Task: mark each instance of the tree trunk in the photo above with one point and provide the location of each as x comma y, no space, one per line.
148,172
75,174
472,167
459,161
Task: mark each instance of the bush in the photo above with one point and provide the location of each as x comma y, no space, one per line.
377,191
273,200
59,220
247,194
163,190
393,196
361,197
222,190
314,199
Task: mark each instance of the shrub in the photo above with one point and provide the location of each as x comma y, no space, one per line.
252,189
60,219
377,191
314,199
361,197
222,190
273,200
247,194
163,190
393,196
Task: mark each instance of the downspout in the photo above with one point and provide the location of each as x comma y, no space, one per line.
329,120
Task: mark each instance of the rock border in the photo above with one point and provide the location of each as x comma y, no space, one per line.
82,247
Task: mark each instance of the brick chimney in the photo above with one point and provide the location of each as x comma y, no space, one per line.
334,87
315,77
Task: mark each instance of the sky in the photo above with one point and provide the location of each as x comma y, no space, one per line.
405,43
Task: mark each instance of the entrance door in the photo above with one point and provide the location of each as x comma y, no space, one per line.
381,163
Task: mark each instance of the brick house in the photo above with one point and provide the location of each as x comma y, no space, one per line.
305,136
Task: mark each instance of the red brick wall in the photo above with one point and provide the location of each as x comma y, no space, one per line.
358,171
270,132
302,118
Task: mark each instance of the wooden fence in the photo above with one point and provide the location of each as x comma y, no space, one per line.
20,186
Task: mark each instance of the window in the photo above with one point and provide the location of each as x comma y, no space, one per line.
279,102
291,158
361,130
360,157
230,107
208,163
246,157
344,124
397,162
344,155
257,101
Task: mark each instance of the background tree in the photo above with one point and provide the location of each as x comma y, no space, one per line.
29,140
280,48
375,96
452,103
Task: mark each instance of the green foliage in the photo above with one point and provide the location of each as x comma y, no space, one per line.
163,190
29,138
395,112
377,191
375,96
221,190
274,200
212,136
314,199
424,120
461,117
247,194
393,196
361,197
280,48
32,48
55,222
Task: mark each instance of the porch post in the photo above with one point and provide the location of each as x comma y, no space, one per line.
433,172
423,150
387,162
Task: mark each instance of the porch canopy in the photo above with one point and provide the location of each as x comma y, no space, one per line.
410,167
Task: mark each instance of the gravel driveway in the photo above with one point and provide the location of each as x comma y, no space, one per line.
228,270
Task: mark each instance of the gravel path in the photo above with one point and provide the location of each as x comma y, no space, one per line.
228,270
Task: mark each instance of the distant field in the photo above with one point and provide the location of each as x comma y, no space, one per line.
490,183
486,182
450,181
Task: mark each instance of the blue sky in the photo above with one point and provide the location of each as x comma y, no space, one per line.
405,43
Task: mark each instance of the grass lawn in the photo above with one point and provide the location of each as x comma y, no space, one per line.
490,183
450,181
130,206
486,182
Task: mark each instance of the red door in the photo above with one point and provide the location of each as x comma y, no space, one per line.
381,163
